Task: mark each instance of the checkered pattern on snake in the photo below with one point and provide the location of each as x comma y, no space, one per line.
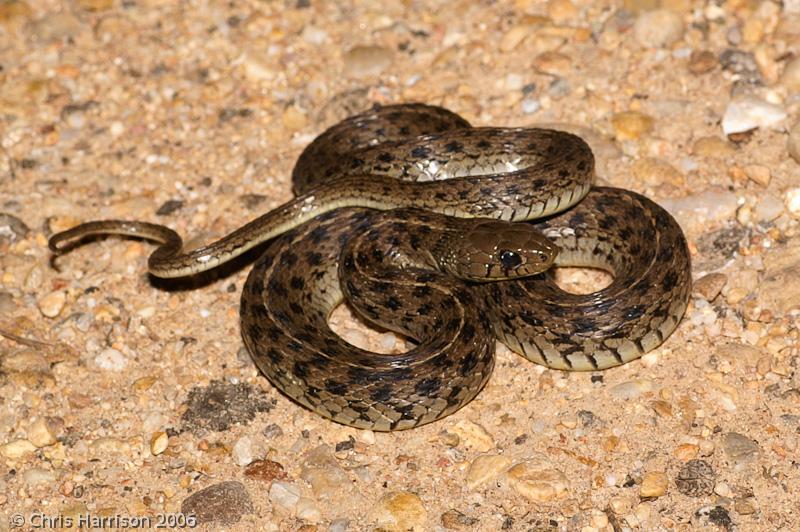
382,201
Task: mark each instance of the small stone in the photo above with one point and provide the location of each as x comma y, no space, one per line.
654,484
450,439
242,451
40,433
748,113
111,359
714,147
758,174
793,143
366,61
339,525
791,75
12,228
696,478
57,26
709,286
455,520
484,468
561,10
658,29
740,449
399,511
702,61
656,172
158,443
538,482
294,118
285,495
52,304
266,470
37,475
745,506
778,290
224,503
768,208
630,390
17,449
686,451
474,435
307,510
792,200
554,63
630,125
169,207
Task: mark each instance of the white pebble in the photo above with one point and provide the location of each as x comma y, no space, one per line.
792,200
243,451
530,106
117,129
749,113
284,495
307,510
769,207
111,359
658,29
52,304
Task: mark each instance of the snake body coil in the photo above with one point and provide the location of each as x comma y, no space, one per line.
391,193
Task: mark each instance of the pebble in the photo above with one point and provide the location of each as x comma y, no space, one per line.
792,200
630,125
745,506
698,210
111,359
224,503
656,172
40,433
265,470
658,29
654,484
768,208
486,467
749,112
339,525
473,435
561,10
17,449
791,75
399,511
702,61
454,520
709,286
740,449
793,143
631,389
37,475
327,479
52,304
58,26
759,174
12,228
713,146
366,61
538,482
696,478
553,63
159,442
778,290
284,495
243,452
307,510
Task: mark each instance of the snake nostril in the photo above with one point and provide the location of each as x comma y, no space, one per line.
509,259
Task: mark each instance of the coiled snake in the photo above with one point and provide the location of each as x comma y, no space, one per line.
391,198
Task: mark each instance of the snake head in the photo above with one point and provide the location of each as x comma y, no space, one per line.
492,250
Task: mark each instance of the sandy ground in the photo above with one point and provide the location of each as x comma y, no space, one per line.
123,399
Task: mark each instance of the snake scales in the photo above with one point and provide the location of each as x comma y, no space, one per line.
378,186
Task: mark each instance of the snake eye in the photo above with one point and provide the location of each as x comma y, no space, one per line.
509,259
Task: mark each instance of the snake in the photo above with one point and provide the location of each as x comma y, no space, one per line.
449,235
